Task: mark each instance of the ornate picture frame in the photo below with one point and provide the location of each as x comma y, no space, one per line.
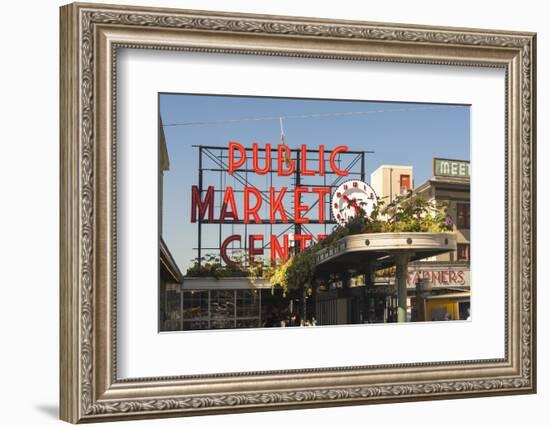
90,37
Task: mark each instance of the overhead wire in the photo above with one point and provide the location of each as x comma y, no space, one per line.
307,116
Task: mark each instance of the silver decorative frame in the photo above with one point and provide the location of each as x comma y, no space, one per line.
90,36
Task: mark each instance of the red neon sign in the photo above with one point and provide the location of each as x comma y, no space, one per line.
202,206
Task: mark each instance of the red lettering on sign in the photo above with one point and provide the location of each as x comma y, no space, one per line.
303,239
229,200
276,204
332,160
233,164
321,160
321,191
203,201
284,157
202,205
452,277
303,163
255,161
298,207
277,251
248,210
252,250
223,249
437,277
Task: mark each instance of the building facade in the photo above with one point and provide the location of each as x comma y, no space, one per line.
170,276
390,181
451,185
447,296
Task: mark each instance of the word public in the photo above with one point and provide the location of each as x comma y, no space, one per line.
202,202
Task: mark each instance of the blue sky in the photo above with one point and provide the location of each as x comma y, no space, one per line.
398,133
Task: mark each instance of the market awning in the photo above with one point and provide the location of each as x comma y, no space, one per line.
379,249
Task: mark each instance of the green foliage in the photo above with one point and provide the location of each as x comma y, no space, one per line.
412,213
211,266
407,213
297,271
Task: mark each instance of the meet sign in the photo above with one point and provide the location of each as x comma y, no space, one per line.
449,167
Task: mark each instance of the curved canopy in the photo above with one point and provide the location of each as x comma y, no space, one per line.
356,252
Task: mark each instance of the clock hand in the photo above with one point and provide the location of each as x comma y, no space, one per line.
353,204
347,199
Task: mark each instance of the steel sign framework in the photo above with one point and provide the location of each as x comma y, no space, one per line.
213,168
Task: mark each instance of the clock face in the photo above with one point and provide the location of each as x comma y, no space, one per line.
351,197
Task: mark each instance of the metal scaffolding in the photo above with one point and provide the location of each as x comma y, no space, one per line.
213,160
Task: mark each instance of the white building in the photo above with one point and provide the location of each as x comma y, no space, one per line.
389,181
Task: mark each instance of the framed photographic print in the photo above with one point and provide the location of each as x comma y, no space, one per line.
268,212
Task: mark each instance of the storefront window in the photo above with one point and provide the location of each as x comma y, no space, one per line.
218,309
463,215
195,325
463,252
222,324
195,304
222,308
248,308
464,310
172,313
248,303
